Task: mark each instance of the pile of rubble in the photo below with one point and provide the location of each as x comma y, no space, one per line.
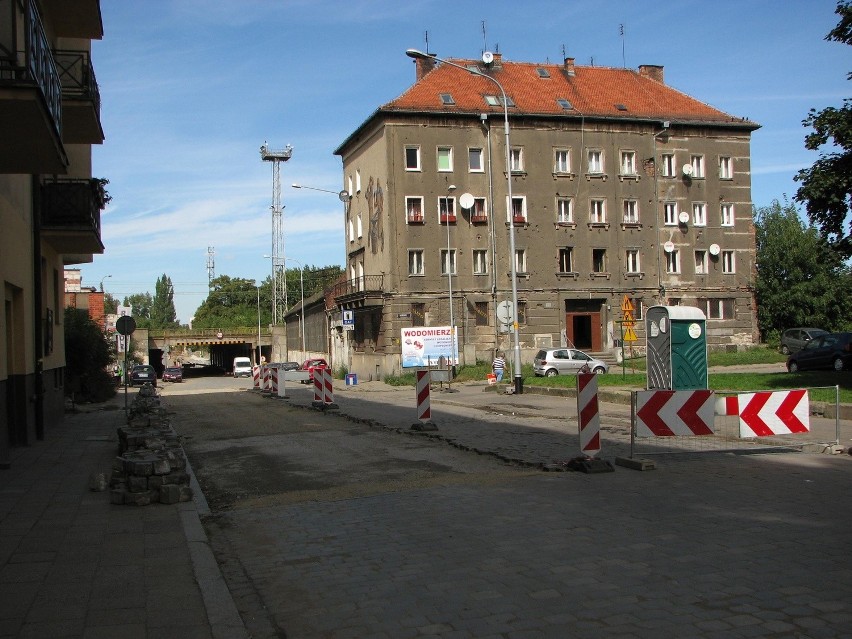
151,465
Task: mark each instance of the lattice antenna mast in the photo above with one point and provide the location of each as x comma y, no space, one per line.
211,267
279,260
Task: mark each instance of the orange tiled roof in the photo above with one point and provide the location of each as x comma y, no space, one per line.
592,91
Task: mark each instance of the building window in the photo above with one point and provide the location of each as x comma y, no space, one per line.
474,161
448,262
479,212
595,157
522,313
599,260
564,210
493,100
561,161
631,212
628,163
412,158
519,209
673,262
520,260
351,231
726,168
700,262
447,209
729,262
350,185
447,99
358,181
597,211
516,159
566,259
669,166
720,308
360,227
414,209
445,158
480,262
415,262
670,213
480,313
631,257
697,162
699,214
727,212
418,314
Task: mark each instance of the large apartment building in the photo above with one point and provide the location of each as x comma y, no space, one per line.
620,186
49,202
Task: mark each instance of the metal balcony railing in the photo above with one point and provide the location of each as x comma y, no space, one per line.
366,284
29,62
77,76
72,204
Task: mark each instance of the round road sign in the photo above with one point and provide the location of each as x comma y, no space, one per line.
125,325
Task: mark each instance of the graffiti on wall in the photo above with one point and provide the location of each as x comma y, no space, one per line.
375,206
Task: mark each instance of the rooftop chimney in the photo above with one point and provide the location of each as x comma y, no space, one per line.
423,66
652,71
569,66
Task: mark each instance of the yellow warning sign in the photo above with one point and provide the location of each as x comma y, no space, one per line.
628,320
630,335
627,305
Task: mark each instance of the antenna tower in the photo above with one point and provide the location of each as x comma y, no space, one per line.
211,269
279,260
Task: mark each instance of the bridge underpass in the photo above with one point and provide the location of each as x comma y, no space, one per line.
206,347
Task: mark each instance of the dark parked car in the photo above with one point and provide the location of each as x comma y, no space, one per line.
794,339
829,351
173,374
289,366
311,365
141,374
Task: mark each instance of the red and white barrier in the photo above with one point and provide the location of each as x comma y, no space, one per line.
265,375
273,380
666,413
255,375
318,386
327,385
424,407
767,413
588,415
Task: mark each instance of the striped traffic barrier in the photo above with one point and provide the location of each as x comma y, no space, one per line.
328,389
588,416
255,375
767,413
424,407
273,381
265,374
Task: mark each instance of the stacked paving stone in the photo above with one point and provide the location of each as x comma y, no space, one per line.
151,465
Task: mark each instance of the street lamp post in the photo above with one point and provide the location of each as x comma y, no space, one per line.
416,54
258,325
450,266
344,196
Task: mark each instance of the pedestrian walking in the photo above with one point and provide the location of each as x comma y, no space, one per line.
498,366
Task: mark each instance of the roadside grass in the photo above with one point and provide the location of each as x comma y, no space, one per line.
821,384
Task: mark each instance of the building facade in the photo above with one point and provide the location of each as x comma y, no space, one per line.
621,187
49,202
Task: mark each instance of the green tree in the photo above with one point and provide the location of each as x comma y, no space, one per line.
163,314
315,278
110,304
87,355
826,189
801,279
141,305
233,302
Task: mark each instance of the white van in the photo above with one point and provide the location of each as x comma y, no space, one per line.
242,367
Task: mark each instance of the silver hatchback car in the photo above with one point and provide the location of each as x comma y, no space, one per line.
565,361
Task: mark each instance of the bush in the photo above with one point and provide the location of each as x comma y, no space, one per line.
87,355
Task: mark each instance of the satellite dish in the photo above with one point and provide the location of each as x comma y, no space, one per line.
683,217
714,249
466,200
687,170
668,247
488,57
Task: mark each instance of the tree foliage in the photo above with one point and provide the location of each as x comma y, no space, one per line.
141,305
826,189
87,355
163,313
801,279
110,304
233,302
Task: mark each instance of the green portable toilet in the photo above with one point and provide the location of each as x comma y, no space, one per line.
677,348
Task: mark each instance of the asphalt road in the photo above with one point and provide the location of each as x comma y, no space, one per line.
327,527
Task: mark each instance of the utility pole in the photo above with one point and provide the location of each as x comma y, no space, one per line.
279,265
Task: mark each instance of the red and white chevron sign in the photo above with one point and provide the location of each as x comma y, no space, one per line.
424,409
589,419
665,413
771,412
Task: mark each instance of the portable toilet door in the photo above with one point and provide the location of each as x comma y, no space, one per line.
677,348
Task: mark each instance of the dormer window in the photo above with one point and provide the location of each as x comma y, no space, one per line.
542,73
493,100
565,104
621,107
446,98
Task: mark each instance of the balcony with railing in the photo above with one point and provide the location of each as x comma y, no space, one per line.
77,19
81,99
367,290
30,94
71,215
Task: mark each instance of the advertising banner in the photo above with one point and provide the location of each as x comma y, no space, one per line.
425,345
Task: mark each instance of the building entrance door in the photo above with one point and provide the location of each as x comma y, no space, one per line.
583,324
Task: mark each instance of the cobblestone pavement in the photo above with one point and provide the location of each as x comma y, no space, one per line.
748,543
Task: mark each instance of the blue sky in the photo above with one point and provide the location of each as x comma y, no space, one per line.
191,89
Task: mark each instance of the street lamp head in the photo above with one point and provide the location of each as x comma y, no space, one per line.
296,186
416,53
